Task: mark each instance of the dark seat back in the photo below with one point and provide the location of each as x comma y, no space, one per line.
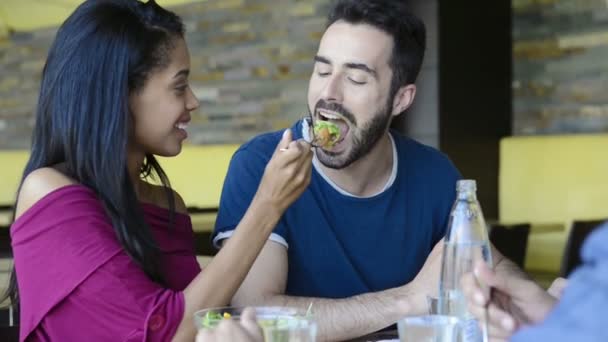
511,241
5,242
572,252
8,332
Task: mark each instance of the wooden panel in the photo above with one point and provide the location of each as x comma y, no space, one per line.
475,89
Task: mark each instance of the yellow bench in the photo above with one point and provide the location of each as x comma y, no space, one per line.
197,174
13,163
549,181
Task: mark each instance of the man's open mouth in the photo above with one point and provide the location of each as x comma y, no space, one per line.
337,120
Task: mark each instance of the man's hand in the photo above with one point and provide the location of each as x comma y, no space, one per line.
247,330
557,287
425,283
515,301
287,174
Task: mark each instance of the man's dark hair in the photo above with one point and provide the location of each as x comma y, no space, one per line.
394,18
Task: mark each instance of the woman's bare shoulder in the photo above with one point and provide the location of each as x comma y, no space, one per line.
38,184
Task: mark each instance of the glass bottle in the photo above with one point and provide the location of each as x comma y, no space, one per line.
465,242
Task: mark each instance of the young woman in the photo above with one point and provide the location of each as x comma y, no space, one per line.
101,254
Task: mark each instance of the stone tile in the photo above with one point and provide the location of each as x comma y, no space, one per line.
238,74
206,94
300,9
236,27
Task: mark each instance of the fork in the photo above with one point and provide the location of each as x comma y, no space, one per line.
311,132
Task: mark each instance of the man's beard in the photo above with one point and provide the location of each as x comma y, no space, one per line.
361,145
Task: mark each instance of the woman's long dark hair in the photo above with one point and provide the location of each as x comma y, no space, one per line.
102,53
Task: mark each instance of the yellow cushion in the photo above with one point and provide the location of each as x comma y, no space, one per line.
11,170
548,179
198,173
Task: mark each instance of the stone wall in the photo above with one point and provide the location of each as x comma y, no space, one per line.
251,61
22,57
560,55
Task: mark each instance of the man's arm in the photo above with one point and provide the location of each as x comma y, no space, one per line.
337,319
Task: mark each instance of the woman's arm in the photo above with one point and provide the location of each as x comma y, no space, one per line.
285,178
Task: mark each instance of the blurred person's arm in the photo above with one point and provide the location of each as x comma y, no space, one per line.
580,314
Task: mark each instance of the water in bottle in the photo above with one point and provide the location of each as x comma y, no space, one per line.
466,241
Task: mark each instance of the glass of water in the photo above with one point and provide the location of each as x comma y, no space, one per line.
430,328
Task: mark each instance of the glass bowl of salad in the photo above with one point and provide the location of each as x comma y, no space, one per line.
278,324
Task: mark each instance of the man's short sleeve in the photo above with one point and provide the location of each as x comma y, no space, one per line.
242,181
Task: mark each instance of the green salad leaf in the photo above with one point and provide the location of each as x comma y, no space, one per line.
326,133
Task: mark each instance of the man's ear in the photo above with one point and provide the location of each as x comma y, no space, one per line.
403,99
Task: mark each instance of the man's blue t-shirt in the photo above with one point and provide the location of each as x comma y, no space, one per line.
582,312
340,245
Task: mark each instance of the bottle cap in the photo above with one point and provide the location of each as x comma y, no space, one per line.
466,185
